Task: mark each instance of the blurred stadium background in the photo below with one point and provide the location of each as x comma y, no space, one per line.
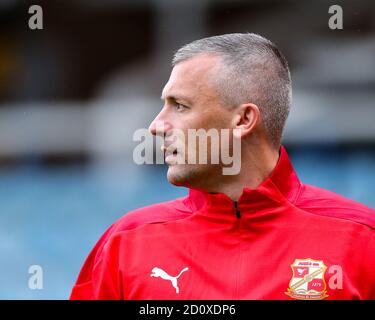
72,94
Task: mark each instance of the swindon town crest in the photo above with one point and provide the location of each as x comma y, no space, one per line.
307,282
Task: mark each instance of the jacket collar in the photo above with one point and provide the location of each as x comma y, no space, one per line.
282,185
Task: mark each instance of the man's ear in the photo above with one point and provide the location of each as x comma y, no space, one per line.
247,118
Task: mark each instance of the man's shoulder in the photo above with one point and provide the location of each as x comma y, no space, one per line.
156,213
327,203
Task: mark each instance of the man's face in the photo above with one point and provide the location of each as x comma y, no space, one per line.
191,102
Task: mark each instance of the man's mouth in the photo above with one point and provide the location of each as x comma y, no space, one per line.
169,154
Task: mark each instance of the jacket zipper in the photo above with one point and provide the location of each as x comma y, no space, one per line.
238,232
237,211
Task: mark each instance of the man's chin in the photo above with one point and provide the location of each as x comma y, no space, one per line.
187,175
176,176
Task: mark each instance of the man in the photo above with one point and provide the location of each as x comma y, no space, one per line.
258,234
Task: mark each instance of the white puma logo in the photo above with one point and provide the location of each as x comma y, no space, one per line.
157,272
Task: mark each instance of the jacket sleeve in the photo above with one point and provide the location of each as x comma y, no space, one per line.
97,278
372,265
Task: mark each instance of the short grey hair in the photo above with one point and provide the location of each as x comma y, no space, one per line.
253,70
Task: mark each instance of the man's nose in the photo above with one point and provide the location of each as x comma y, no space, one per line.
160,125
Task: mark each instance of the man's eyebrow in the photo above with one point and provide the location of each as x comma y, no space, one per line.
175,97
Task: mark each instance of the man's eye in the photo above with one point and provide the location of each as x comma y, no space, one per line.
180,107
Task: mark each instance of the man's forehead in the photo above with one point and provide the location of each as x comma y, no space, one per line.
188,75
182,94
178,89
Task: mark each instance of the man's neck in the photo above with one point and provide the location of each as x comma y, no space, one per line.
256,167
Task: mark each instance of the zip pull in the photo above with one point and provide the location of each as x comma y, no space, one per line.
238,213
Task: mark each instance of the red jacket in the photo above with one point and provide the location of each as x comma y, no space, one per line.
282,240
